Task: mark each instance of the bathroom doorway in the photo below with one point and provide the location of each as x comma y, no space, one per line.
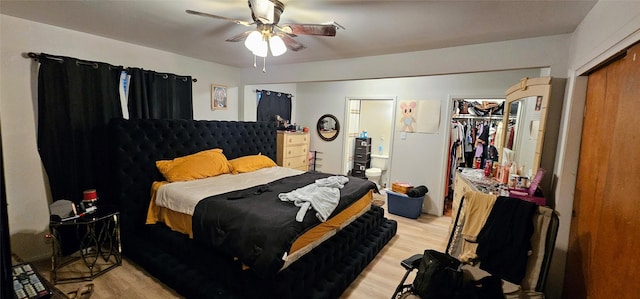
376,116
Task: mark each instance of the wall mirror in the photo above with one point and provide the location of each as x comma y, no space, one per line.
524,123
328,127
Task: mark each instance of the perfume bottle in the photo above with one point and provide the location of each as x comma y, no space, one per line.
487,168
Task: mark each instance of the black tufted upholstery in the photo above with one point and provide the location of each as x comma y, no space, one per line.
198,272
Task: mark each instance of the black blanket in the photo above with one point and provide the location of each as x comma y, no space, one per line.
255,226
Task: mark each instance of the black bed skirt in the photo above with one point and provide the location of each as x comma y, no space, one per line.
325,272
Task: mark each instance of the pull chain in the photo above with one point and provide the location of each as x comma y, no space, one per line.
264,64
254,61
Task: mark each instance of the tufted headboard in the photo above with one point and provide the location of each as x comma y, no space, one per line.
135,146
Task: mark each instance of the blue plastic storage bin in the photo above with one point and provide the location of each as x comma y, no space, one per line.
403,205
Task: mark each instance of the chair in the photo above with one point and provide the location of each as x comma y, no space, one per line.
543,240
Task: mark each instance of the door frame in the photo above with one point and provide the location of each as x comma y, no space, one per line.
345,138
447,150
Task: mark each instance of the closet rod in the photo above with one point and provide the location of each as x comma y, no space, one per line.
36,56
260,90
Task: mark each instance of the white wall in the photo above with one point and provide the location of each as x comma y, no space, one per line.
27,193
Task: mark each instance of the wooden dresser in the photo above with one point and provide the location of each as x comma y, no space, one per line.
293,150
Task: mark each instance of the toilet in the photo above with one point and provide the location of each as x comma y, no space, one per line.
378,165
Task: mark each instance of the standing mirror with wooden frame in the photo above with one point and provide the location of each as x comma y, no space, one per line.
524,124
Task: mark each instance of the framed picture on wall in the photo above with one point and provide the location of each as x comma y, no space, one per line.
219,97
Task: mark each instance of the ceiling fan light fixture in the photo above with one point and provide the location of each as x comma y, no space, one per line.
262,48
277,46
253,41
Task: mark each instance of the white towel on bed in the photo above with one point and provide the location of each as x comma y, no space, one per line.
323,196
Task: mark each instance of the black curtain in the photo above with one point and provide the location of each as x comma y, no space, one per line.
155,95
272,103
76,100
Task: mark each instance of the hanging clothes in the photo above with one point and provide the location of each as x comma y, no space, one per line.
499,140
482,143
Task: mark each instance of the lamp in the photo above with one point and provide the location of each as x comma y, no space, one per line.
260,42
277,46
253,40
261,48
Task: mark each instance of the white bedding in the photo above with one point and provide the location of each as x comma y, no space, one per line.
184,196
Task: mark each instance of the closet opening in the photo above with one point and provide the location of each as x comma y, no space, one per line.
473,125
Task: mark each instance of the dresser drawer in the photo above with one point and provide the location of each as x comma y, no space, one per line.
303,168
292,139
363,141
299,162
357,173
362,157
362,150
296,150
360,165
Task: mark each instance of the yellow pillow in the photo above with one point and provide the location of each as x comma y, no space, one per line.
200,165
251,163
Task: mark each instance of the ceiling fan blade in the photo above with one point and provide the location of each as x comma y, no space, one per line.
291,43
240,22
309,29
239,37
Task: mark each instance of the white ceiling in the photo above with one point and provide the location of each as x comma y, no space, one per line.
372,27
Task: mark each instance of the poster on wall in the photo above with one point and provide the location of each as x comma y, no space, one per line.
420,116
219,97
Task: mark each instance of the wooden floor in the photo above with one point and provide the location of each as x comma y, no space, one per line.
378,280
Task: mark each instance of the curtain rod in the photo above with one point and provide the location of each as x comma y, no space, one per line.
260,90
36,56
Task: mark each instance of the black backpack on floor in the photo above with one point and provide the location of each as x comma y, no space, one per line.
439,276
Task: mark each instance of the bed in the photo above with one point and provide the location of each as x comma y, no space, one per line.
320,268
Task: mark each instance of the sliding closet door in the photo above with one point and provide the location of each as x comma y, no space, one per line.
604,258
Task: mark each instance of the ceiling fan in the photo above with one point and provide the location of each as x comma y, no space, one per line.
268,33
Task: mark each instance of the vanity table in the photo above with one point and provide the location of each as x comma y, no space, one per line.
545,228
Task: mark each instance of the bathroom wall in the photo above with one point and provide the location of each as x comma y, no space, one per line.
376,117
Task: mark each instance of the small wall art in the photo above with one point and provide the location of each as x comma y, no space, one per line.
421,116
219,97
